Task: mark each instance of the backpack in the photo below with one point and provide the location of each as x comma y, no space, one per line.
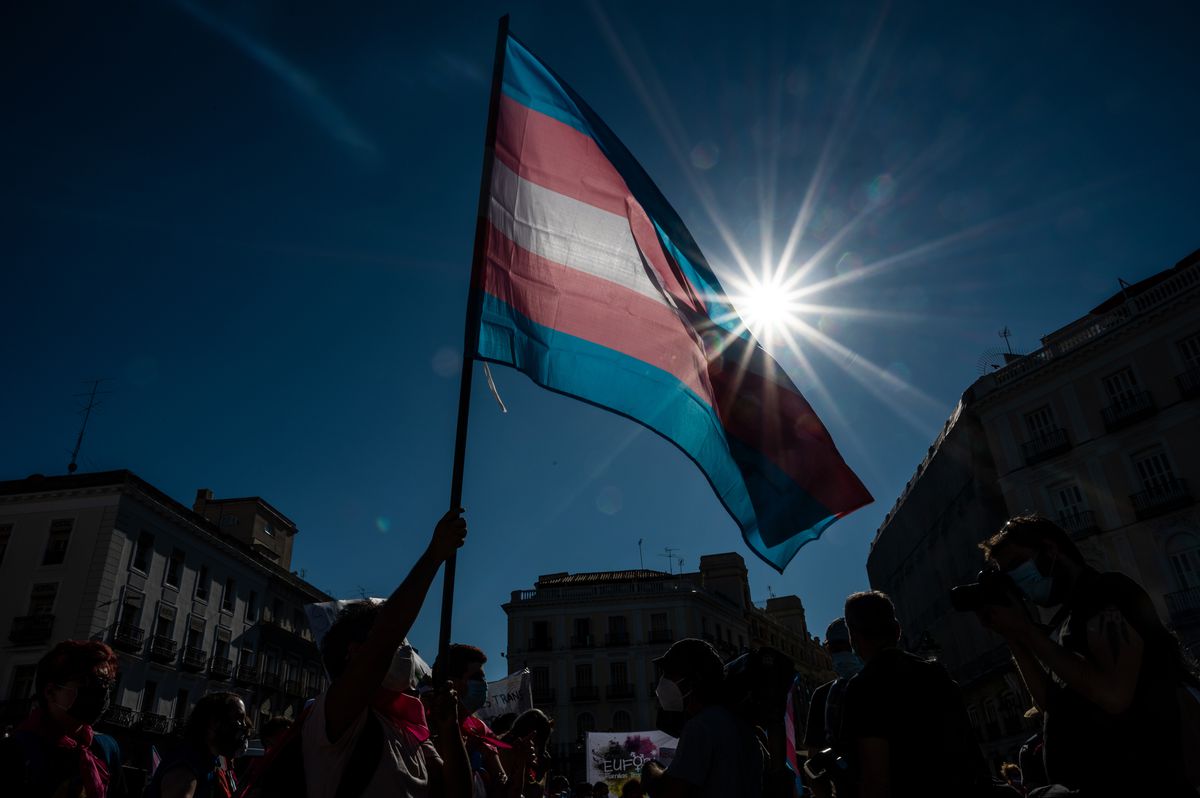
281,774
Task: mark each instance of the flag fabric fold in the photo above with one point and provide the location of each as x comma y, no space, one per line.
593,287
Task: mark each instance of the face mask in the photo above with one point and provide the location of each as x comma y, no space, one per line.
670,697
90,704
846,664
399,675
477,694
1032,583
231,739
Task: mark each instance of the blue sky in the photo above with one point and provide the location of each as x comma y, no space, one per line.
256,219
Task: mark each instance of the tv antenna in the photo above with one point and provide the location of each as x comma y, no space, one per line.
641,561
1006,334
73,466
670,555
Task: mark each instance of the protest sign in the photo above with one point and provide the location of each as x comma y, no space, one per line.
616,757
514,693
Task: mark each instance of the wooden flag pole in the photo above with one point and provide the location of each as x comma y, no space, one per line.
471,333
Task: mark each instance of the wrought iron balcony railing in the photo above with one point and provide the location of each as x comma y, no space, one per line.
1048,444
1129,410
1163,497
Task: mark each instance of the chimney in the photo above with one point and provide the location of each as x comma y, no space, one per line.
203,497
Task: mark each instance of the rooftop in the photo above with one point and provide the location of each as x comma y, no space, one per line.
599,577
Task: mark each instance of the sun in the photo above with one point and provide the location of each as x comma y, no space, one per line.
769,307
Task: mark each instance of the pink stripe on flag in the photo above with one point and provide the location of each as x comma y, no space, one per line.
595,310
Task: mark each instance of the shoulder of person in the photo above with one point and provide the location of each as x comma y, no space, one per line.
109,746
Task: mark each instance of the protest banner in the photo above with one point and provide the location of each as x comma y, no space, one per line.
617,757
514,693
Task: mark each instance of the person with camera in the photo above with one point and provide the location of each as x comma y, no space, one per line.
904,717
719,753
1107,686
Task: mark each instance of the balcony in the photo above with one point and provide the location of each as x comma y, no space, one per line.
582,641
1130,410
541,644
29,630
661,636
1079,524
1048,444
122,717
246,674
1189,383
293,687
128,637
543,695
155,724
193,659
271,680
220,668
620,691
1184,606
162,649
1169,494
585,692
616,639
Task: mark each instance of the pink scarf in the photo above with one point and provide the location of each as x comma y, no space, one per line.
405,712
92,770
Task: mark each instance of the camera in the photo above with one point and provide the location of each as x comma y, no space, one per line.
827,762
993,588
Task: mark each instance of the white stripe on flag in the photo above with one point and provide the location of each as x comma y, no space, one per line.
568,232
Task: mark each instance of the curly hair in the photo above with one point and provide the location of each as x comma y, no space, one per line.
1030,531
74,660
352,625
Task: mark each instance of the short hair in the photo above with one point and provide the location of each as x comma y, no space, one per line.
211,707
600,784
276,724
458,657
352,625
74,659
1009,769
871,615
1031,530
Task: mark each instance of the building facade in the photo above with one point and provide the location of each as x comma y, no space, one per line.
193,600
1099,429
589,639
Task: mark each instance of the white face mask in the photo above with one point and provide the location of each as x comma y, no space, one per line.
400,673
1032,583
670,697
846,664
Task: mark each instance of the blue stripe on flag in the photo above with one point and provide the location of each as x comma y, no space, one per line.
753,490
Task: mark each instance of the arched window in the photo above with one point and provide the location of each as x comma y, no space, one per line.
584,723
621,721
1183,550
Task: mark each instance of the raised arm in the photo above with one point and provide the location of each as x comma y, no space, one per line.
350,693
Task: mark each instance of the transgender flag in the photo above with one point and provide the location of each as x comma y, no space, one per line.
593,287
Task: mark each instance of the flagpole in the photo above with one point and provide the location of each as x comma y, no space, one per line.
471,331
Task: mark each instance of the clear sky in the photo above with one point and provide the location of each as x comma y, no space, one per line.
256,218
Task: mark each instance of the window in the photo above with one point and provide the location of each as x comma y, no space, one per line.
277,611
583,631
1121,387
583,675
618,674
658,622
268,530
1040,422
22,683
143,552
541,630
1184,553
181,705
195,633
228,595
131,608
299,625
252,607
164,624
539,677
174,569
41,598
56,543
1189,348
584,723
221,644
1069,500
1155,471
5,535
622,722
203,583
150,697
616,625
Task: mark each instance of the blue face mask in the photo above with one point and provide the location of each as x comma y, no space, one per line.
846,664
477,695
1032,583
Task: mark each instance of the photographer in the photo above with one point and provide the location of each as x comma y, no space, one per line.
1107,686
822,731
719,754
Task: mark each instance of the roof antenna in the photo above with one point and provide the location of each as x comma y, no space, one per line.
73,466
1006,334
641,561
670,555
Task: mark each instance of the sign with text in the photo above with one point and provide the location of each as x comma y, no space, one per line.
617,757
514,693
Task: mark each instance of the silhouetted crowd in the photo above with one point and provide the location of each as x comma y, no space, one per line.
1117,695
